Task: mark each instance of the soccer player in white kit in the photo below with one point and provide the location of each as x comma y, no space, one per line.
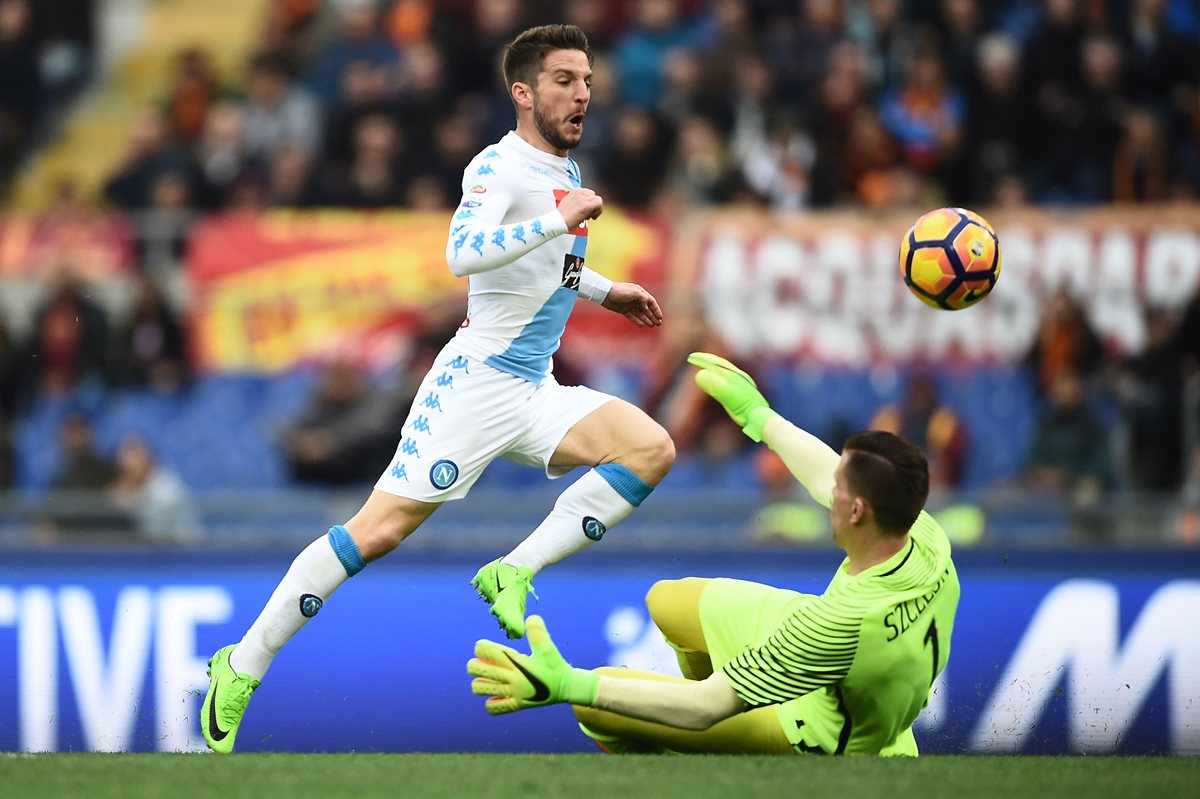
519,235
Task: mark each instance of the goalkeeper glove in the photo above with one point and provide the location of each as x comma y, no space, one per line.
735,390
514,681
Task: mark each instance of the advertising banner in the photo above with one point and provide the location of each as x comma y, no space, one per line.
827,287
1052,652
272,291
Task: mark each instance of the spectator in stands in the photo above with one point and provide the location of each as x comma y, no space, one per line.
158,503
1141,165
66,32
1065,342
20,88
998,128
799,49
288,180
658,28
277,111
69,341
923,419
1091,128
886,38
632,171
1150,389
357,38
164,225
82,467
701,173
149,153
336,438
287,28
925,116
366,90
1069,456
223,160
1052,71
150,351
373,178
780,174
194,88
1162,65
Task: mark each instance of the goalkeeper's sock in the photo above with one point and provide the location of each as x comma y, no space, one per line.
314,575
583,513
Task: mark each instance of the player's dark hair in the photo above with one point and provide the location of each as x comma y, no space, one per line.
890,474
523,57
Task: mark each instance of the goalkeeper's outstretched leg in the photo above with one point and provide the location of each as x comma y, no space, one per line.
674,606
755,732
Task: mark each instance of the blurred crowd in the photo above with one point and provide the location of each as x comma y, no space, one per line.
789,103
785,104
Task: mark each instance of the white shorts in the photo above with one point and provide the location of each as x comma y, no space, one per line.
466,414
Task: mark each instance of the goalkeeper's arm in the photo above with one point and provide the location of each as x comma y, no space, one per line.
810,460
514,681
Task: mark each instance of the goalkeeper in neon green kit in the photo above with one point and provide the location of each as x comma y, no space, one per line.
770,670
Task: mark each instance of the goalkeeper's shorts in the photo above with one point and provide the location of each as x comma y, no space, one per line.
736,614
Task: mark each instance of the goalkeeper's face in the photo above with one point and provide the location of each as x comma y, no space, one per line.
846,509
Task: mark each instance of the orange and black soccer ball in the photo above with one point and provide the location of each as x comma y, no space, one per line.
950,258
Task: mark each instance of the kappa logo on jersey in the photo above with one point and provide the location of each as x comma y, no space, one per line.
581,228
443,474
572,269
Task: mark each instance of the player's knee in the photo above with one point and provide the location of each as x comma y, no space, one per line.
654,456
666,597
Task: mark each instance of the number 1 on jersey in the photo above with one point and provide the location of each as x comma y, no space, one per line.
931,637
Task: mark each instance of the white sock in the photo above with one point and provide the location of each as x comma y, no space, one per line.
581,516
313,576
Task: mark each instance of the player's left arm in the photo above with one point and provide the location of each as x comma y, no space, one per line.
633,302
514,681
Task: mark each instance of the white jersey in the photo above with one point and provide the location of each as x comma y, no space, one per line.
524,268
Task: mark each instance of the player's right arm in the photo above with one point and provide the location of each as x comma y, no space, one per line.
810,460
479,241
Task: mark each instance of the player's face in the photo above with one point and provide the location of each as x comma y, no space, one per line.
845,507
560,100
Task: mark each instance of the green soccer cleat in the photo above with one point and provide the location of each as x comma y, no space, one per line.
505,588
225,703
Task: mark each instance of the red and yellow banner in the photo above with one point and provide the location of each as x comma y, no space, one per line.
272,291
94,245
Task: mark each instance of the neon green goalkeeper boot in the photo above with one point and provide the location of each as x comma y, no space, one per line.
225,703
505,588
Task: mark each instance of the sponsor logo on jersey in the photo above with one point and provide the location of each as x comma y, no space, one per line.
470,203
572,269
581,228
479,189
443,474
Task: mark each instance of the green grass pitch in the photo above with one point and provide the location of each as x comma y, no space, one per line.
528,776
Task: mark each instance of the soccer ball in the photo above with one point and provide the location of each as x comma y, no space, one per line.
950,258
